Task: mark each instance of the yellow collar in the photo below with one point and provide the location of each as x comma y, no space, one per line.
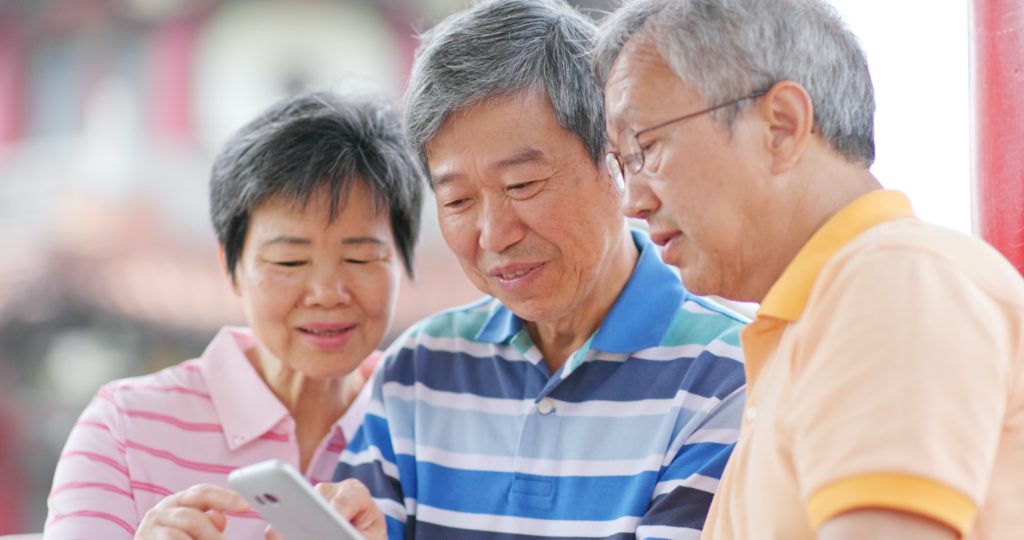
788,296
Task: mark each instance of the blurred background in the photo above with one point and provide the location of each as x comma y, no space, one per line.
110,114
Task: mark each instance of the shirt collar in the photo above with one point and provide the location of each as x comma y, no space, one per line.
638,320
788,296
245,405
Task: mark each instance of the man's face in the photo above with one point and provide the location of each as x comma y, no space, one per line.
698,188
530,217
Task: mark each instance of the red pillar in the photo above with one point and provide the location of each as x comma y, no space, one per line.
998,81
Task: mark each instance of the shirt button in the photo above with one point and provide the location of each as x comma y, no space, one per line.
237,439
751,414
545,406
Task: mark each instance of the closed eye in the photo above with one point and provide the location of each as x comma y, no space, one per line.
524,190
290,264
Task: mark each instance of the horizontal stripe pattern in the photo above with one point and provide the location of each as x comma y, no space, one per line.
145,438
469,435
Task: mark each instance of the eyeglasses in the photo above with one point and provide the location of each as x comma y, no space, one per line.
632,160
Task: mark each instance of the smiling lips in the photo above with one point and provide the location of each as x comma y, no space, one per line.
515,276
328,335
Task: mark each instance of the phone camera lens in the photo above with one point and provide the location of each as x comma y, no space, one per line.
270,497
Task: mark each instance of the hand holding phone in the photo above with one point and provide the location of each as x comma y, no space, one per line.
281,495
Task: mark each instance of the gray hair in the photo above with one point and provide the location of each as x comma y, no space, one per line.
500,48
313,142
730,48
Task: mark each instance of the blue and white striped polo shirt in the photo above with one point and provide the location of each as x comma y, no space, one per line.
470,435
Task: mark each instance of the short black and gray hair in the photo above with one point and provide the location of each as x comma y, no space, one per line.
500,48
313,142
730,48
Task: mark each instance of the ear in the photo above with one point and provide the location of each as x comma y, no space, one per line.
789,113
222,261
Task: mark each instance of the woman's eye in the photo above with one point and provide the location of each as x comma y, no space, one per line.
290,264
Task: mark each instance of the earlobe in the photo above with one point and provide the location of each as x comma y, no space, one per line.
789,112
222,261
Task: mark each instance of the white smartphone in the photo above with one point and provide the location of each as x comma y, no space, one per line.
281,495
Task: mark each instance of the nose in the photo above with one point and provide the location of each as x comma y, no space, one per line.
500,227
328,287
638,200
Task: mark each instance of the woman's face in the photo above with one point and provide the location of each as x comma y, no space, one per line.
318,294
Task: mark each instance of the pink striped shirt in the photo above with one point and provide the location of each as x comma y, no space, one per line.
143,438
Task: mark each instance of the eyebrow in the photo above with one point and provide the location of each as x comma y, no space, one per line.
522,157
298,240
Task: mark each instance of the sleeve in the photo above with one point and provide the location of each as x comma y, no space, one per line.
92,495
375,456
900,400
697,457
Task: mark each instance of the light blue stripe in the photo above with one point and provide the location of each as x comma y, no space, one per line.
477,432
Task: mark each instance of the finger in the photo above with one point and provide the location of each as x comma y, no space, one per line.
218,518
183,519
208,497
270,534
351,498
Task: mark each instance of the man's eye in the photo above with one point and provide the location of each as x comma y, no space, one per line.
522,190
456,204
360,261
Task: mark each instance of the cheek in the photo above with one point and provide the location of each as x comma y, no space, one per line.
271,296
460,236
377,290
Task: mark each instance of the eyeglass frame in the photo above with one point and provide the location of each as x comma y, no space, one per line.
616,163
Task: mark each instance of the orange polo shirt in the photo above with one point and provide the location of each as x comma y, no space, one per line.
884,371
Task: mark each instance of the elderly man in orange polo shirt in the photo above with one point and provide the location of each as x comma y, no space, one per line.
886,395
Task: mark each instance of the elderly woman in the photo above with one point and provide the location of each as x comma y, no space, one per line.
316,205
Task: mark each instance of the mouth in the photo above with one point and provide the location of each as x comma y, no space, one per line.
662,238
513,275
325,330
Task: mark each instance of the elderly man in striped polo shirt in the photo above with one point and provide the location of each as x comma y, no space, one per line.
589,394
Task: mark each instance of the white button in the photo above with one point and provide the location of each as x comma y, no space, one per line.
545,406
751,414
237,439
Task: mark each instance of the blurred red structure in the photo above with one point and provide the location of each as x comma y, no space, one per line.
998,36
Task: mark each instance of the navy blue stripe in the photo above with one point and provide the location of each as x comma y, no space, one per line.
430,530
682,507
534,496
492,377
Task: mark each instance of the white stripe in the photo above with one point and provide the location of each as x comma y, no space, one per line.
696,481
664,531
691,350
369,456
456,400
460,345
721,348
721,436
391,508
519,407
628,409
521,525
541,467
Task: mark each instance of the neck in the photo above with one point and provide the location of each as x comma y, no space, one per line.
315,405
809,204
559,338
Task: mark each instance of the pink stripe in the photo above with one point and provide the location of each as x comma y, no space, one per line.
88,485
336,447
184,463
101,515
166,389
271,436
152,488
97,457
205,427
